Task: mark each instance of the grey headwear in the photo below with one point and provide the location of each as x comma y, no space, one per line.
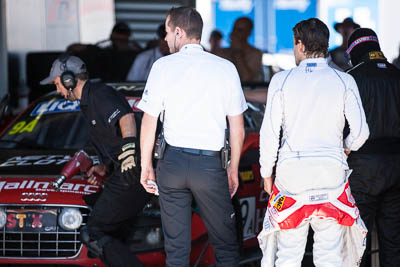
65,63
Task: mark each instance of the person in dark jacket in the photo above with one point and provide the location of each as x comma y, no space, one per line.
112,132
375,182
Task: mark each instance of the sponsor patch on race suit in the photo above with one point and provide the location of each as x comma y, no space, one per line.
287,211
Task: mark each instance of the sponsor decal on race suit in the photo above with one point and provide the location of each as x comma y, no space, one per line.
286,211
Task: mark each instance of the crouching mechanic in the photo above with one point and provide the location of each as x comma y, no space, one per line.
112,131
310,104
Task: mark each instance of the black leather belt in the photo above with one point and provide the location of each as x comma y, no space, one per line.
194,151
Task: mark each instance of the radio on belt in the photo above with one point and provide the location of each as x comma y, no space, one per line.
226,151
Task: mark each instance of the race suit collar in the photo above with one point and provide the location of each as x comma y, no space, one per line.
317,61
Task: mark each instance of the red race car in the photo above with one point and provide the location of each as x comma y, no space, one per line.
40,225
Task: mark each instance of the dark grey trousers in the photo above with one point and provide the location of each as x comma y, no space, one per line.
375,185
118,203
180,177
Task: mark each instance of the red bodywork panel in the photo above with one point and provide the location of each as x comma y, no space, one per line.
71,191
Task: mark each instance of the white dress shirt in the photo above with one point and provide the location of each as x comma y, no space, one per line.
311,102
142,64
197,90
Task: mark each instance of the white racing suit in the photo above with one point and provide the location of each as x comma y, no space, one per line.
305,115
333,215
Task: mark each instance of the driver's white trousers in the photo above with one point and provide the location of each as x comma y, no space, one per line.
328,242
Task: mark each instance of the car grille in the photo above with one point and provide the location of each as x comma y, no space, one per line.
58,243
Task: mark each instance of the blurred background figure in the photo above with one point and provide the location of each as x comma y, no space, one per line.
76,48
144,61
215,41
258,96
345,28
396,61
246,58
120,39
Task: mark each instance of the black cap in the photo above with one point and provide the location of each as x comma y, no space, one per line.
361,42
347,22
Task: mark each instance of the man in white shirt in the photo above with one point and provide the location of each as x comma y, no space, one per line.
197,91
310,103
143,62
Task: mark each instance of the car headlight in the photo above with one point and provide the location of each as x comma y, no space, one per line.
70,219
3,218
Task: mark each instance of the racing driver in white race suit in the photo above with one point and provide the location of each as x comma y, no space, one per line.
307,106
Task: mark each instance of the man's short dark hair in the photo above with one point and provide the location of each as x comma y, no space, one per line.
314,34
188,19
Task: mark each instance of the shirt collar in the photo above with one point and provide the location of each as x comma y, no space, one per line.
85,94
191,47
313,61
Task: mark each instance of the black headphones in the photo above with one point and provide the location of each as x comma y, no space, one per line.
67,77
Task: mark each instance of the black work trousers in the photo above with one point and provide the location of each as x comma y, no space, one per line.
180,177
375,185
118,203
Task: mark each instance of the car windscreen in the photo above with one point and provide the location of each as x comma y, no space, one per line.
52,123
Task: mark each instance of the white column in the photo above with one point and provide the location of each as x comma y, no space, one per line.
388,22
205,8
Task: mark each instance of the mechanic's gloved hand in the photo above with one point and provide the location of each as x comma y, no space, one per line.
130,168
127,157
